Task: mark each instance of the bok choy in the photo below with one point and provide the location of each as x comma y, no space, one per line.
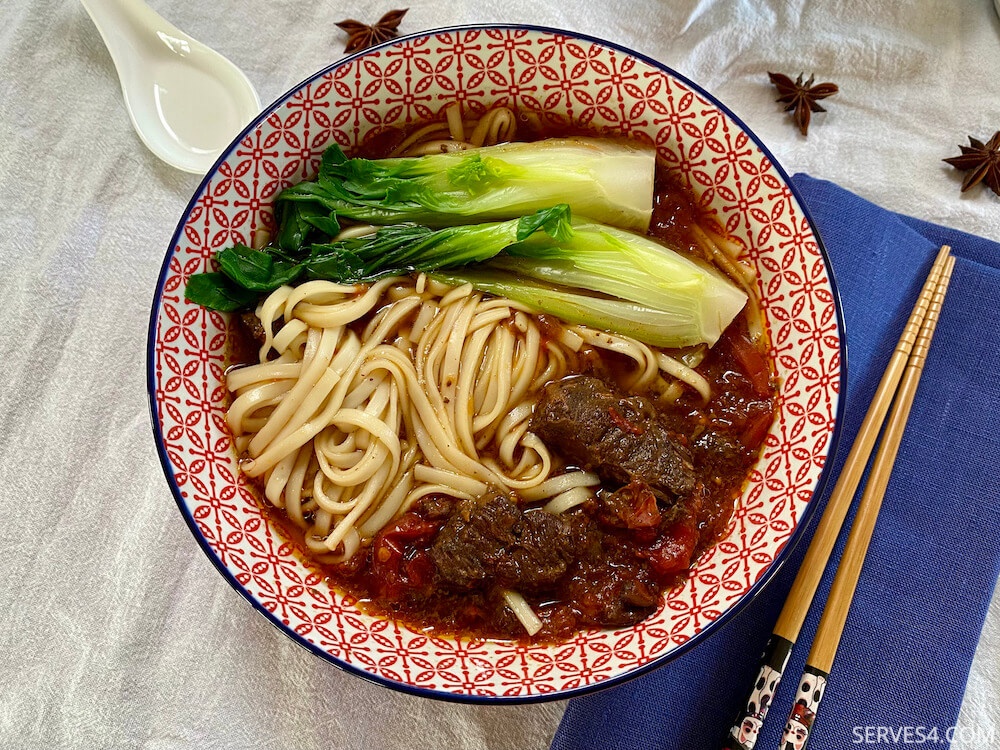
608,180
245,273
580,271
693,302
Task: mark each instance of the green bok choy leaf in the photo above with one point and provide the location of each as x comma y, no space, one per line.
245,273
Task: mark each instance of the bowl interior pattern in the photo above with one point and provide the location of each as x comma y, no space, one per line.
544,71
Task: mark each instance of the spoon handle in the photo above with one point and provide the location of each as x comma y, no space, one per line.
120,21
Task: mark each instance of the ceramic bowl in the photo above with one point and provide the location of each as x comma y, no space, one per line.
587,81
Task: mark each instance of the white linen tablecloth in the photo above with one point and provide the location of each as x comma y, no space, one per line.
115,629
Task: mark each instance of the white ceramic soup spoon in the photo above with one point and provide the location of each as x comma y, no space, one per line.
186,101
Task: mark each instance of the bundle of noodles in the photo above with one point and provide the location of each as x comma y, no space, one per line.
455,133
366,398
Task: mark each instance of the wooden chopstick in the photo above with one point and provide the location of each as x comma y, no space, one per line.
742,735
838,603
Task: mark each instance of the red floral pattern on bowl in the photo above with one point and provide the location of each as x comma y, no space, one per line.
546,71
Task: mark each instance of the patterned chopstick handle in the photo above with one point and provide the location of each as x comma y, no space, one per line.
804,710
743,734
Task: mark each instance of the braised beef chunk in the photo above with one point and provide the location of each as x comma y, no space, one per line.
620,438
436,507
252,325
492,540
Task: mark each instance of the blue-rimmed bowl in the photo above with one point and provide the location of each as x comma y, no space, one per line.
564,76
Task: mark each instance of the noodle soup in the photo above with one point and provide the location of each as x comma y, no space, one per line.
463,463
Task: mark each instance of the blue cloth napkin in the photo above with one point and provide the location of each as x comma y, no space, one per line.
934,559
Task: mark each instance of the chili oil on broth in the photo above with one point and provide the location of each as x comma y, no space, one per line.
738,415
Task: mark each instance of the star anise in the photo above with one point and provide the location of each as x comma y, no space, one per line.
802,97
362,36
981,161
